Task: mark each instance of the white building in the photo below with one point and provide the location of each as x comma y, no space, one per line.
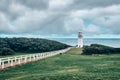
80,40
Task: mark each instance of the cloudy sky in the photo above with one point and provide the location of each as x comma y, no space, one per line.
59,18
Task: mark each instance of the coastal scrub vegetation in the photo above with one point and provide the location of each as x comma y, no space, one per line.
100,49
28,45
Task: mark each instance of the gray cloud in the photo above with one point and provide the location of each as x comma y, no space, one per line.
34,4
89,4
59,17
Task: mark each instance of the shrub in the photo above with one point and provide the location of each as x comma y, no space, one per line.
99,49
31,45
6,51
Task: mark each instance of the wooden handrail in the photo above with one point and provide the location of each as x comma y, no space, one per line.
22,59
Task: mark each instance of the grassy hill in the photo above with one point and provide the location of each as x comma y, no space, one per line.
8,46
69,66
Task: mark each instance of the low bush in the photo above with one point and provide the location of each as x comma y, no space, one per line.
31,45
6,51
99,49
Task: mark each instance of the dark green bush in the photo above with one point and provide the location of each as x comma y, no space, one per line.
6,51
99,49
31,45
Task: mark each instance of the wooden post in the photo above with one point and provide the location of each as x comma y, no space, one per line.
11,64
25,59
30,58
50,54
15,59
45,55
41,56
8,60
34,57
3,65
38,57
0,62
19,60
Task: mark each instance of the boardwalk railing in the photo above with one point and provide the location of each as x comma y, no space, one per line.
22,59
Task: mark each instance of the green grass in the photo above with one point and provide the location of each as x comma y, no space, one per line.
69,66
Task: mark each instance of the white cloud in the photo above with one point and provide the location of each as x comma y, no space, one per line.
4,24
73,25
59,4
92,29
31,21
107,18
17,9
59,17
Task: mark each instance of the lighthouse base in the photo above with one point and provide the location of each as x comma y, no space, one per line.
80,43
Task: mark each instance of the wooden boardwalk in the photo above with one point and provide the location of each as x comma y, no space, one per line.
22,59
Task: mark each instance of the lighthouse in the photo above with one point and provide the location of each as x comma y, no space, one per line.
80,40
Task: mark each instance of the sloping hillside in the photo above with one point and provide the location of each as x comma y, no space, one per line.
68,66
29,45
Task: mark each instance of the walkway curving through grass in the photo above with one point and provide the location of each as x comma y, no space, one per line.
69,66
23,59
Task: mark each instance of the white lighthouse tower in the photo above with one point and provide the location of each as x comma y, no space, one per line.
80,40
